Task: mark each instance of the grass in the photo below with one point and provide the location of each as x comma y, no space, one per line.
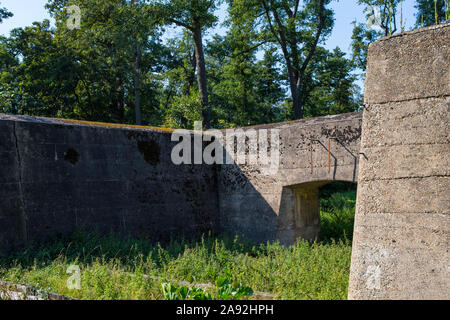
305,270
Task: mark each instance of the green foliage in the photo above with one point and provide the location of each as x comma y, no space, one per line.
361,38
388,10
337,216
4,14
244,91
227,291
430,12
84,73
331,85
337,211
115,64
186,13
223,291
172,292
115,268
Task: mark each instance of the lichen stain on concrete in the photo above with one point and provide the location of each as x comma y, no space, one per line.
150,150
345,135
72,156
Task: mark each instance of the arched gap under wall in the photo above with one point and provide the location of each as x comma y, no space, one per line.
337,201
317,211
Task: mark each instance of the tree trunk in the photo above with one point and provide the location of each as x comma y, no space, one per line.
137,85
137,80
296,93
120,102
201,76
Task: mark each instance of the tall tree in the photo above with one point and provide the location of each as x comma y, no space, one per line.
297,27
238,80
195,16
117,47
361,38
331,82
381,14
38,75
137,73
386,13
181,103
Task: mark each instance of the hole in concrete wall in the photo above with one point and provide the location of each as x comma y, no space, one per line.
72,156
150,150
318,210
337,202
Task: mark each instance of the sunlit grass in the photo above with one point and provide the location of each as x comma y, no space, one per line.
114,268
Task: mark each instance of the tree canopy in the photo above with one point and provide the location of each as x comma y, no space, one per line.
121,65
4,14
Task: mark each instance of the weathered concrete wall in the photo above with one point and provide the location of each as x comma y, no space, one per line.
56,176
401,236
285,205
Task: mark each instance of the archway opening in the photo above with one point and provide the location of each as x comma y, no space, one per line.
337,202
317,211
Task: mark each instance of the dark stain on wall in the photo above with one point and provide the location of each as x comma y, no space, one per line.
150,150
72,156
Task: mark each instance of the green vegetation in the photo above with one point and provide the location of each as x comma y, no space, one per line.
337,206
430,12
121,66
303,271
113,268
223,290
4,14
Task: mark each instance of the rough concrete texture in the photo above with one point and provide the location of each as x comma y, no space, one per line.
56,176
284,206
401,237
409,65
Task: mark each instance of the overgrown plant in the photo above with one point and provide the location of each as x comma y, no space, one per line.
115,268
172,292
223,291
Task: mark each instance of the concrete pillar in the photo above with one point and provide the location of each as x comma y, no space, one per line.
306,212
402,221
299,215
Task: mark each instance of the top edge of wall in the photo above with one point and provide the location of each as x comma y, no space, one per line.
415,31
409,65
70,122
307,121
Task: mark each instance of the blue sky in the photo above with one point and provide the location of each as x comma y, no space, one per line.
27,11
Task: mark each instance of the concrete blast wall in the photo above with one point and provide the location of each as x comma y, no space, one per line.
401,237
284,205
56,176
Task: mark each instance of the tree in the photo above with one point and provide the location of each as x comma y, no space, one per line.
181,103
236,77
331,84
431,12
137,73
195,16
361,38
383,14
117,50
4,14
37,74
386,12
297,29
